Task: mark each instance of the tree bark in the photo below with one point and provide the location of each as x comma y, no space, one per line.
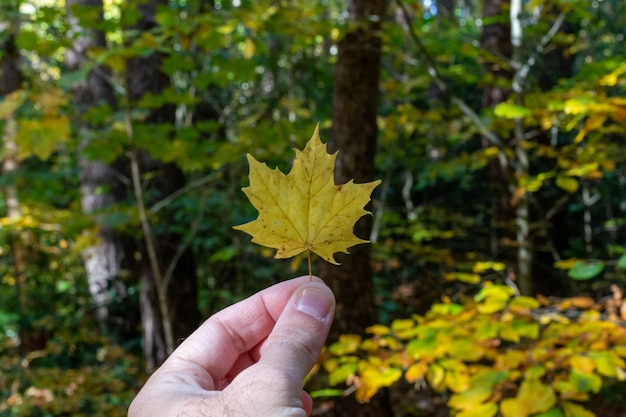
525,244
31,338
354,134
495,42
167,300
98,181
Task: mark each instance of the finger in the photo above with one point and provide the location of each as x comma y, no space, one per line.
214,348
307,402
296,341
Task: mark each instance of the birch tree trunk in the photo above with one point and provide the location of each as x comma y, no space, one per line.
525,247
98,181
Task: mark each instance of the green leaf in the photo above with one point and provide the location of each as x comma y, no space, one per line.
621,262
69,79
328,392
463,277
470,399
424,346
27,40
582,271
526,329
555,412
511,111
347,343
585,382
489,378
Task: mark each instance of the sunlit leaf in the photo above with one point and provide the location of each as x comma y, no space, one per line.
342,373
374,377
416,371
513,407
436,377
305,210
575,410
566,264
555,412
462,277
511,111
482,410
568,184
536,396
585,382
347,343
248,48
471,398
582,364
607,363
378,329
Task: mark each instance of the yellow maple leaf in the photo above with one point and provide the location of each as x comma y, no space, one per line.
304,210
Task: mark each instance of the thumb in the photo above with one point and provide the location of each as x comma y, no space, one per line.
290,350
299,333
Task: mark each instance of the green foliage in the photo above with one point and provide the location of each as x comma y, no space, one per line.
494,352
79,373
251,77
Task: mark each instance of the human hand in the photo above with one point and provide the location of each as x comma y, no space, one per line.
249,359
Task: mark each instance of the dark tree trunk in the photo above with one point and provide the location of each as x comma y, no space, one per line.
143,75
354,133
445,8
99,182
31,338
495,42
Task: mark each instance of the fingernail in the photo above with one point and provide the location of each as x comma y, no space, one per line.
314,302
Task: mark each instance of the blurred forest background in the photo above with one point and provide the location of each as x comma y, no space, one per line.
498,128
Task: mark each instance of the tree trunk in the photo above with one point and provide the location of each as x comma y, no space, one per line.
98,181
167,271
495,41
525,244
31,338
354,133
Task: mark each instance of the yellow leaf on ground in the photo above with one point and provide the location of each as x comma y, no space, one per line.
305,210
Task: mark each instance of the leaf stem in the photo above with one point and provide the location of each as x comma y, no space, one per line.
308,254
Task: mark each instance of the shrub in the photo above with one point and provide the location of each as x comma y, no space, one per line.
493,354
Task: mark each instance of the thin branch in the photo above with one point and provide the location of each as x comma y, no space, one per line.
195,227
431,67
178,193
144,219
379,209
523,70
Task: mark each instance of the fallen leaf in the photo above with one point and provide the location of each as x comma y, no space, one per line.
304,210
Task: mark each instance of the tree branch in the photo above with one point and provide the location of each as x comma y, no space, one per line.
431,67
144,219
176,194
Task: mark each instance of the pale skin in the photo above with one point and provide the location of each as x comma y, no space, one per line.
249,359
